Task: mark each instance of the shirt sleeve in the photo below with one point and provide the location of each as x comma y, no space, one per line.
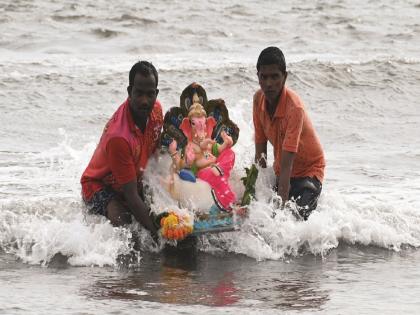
121,160
260,136
293,130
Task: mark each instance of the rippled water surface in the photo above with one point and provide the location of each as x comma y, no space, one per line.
64,70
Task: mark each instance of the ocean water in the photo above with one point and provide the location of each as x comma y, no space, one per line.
64,70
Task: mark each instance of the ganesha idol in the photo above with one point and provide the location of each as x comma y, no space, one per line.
201,174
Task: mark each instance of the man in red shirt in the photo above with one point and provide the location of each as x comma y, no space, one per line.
112,182
279,117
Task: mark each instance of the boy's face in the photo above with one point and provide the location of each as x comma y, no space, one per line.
271,80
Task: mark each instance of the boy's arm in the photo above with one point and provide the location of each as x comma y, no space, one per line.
260,138
283,180
288,152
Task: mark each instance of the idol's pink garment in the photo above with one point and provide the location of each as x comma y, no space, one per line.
222,193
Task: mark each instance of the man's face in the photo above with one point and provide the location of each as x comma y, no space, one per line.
142,95
271,80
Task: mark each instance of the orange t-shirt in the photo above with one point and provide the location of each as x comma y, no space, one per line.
290,130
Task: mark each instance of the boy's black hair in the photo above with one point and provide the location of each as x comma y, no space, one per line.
272,56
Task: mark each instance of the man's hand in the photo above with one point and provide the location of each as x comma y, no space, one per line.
137,206
283,186
283,180
261,154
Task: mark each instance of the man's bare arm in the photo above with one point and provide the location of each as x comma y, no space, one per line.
283,180
137,206
261,154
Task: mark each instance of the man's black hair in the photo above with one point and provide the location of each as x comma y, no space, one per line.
272,56
145,68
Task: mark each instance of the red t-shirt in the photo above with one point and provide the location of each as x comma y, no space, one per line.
123,151
120,160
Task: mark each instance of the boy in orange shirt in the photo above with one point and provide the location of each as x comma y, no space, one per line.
279,117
